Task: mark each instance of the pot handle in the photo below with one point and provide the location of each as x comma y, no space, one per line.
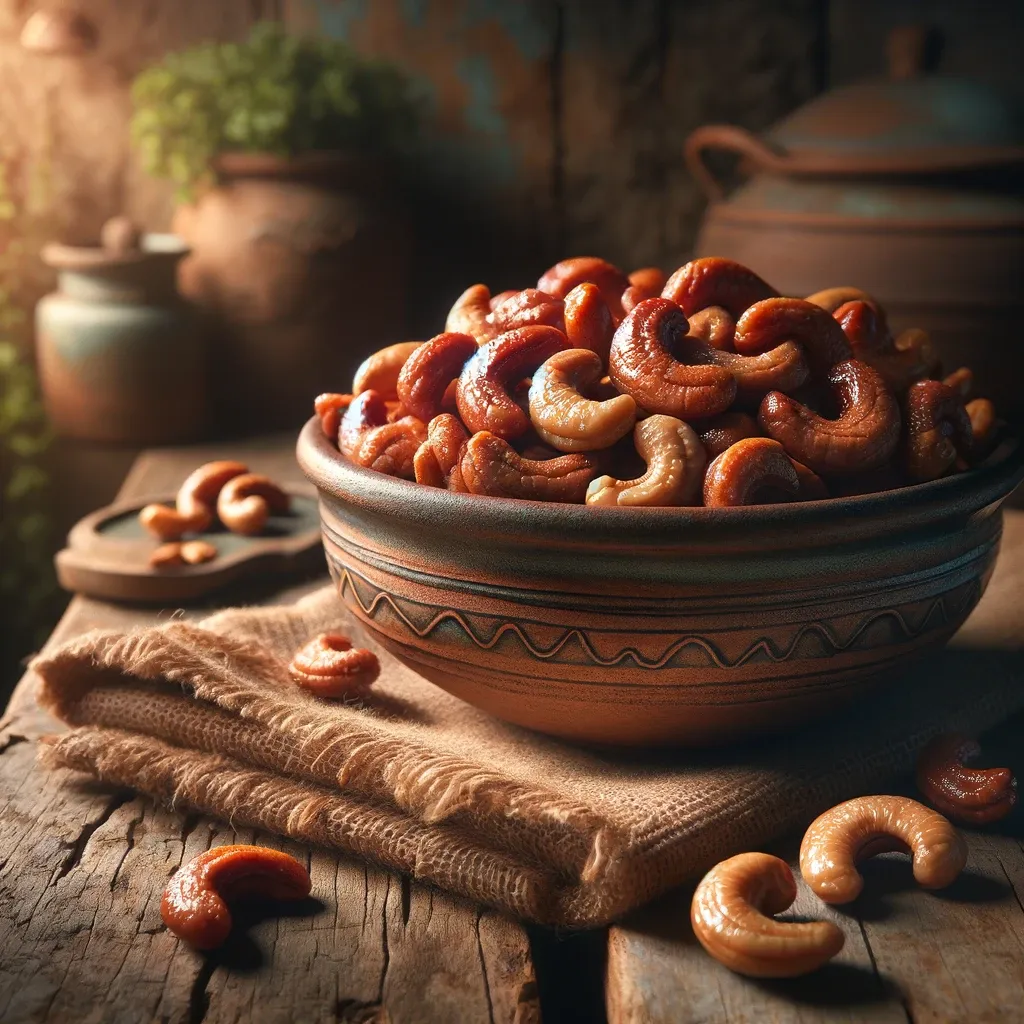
733,139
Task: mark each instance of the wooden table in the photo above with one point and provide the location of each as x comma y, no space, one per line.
82,867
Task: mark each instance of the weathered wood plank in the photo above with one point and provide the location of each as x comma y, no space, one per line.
638,77
82,867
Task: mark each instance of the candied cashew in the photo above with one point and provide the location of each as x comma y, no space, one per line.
863,437
675,461
329,666
641,364
330,407
753,471
729,914
902,360
722,432
429,372
588,322
194,903
769,322
195,503
469,315
490,465
246,502
938,429
379,371
565,275
525,309
875,824
484,393
715,326
438,456
973,795
567,420
715,281
648,280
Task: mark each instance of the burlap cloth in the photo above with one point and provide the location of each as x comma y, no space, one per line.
204,717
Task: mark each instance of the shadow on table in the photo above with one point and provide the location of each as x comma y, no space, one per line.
832,985
241,952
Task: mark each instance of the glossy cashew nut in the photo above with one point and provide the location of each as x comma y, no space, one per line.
649,281
469,315
379,371
716,281
973,795
753,471
330,407
984,427
961,381
675,461
938,428
901,360
831,299
588,322
484,390
439,454
863,437
391,449
723,431
194,903
364,412
715,326
329,666
567,420
525,309
876,824
246,503
497,300
429,372
490,465
166,555
729,914
782,368
641,364
195,552
560,279
632,297
195,502
767,323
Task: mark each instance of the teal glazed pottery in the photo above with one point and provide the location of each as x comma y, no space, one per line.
121,357
692,626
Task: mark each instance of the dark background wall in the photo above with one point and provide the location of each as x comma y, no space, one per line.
556,127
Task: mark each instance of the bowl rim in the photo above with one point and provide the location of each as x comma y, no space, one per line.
991,481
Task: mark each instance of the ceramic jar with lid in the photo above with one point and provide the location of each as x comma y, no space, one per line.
910,187
121,358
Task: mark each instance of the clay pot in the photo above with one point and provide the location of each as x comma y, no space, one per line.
657,625
909,187
301,265
120,356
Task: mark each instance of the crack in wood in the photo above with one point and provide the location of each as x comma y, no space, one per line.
129,846
384,943
406,899
483,965
88,829
198,996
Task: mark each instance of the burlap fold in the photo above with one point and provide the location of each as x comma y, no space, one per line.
203,716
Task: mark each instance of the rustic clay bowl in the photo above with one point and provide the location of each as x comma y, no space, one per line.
657,626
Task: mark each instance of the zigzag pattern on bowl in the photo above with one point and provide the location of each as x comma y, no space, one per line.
939,613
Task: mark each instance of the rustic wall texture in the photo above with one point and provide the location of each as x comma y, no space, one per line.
556,127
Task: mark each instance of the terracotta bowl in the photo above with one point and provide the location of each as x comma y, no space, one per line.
685,626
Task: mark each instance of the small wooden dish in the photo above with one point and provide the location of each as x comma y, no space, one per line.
107,555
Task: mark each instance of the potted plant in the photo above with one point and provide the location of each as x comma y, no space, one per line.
279,148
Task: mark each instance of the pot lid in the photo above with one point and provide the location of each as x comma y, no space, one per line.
909,121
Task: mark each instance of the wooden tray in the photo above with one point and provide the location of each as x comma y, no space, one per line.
107,554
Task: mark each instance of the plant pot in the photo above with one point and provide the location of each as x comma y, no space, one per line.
301,265
121,358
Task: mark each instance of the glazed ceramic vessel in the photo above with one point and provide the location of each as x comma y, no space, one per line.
909,186
686,626
121,358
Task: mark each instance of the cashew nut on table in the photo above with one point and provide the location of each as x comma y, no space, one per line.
860,828
839,405
731,917
972,795
195,903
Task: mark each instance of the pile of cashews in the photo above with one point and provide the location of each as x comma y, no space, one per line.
732,905
703,387
224,490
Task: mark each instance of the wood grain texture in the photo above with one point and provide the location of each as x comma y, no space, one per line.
955,956
82,868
